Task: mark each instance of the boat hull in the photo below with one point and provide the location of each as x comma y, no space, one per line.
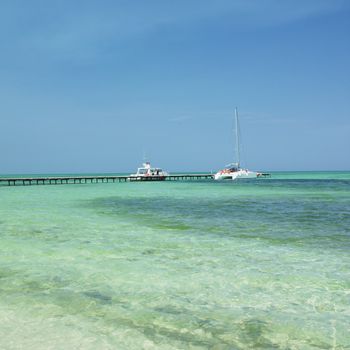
240,174
148,178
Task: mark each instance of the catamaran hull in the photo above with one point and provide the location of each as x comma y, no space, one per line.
236,175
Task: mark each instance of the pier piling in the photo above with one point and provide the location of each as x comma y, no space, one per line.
61,180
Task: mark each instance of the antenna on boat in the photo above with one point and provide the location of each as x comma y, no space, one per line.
237,138
144,156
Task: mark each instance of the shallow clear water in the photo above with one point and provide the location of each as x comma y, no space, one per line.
177,265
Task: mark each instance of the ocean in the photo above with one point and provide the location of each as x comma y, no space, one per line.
258,264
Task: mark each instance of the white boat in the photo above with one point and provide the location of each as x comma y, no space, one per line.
148,173
233,171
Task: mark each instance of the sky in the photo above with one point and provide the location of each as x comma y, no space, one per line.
94,86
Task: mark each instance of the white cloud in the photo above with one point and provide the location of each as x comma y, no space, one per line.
180,118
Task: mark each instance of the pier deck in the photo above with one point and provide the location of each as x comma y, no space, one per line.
60,180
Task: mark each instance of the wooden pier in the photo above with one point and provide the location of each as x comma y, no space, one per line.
65,180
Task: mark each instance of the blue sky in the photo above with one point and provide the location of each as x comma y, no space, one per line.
89,86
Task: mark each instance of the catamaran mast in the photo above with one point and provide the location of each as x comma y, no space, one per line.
237,138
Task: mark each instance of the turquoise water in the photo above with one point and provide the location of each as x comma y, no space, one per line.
177,265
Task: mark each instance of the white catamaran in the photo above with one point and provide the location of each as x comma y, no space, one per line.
233,171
